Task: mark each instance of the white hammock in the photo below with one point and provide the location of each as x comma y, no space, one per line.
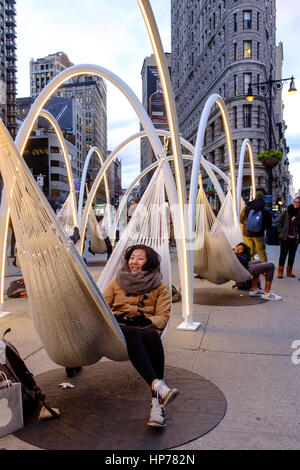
97,243
70,315
65,216
214,259
149,226
225,222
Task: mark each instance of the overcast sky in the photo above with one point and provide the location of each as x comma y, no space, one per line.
111,33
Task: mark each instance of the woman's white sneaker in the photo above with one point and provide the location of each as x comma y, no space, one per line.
157,415
270,296
163,393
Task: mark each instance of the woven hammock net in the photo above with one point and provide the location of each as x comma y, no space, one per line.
98,231
69,313
214,259
65,216
149,226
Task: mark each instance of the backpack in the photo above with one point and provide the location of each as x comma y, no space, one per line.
16,371
254,221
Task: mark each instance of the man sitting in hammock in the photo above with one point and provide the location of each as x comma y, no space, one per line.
141,304
256,268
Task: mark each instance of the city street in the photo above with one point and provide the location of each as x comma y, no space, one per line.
244,346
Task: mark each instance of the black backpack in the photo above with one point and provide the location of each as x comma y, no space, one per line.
16,371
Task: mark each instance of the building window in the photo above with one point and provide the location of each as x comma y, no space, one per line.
247,81
222,154
235,51
235,150
235,22
235,117
247,49
247,115
258,21
212,131
235,85
258,50
247,19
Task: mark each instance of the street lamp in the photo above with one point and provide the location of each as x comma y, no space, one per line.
269,89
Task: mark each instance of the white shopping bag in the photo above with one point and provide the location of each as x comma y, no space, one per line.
11,406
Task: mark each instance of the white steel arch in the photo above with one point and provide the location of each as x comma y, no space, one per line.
180,225
174,194
4,216
213,99
83,178
246,145
45,114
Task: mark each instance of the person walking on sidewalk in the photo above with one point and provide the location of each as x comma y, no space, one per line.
256,268
289,234
254,233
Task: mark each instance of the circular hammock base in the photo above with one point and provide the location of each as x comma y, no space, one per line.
109,406
225,297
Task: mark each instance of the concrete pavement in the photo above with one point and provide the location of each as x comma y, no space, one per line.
244,346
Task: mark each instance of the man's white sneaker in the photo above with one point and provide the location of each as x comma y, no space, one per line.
270,296
157,415
163,393
256,292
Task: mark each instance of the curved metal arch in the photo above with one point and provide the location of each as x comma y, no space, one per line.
245,145
130,188
53,85
45,114
209,167
83,178
4,219
213,99
182,222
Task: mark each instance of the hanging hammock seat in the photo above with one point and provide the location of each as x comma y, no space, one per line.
65,216
214,259
97,243
70,315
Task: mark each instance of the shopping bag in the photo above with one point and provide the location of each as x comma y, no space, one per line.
11,407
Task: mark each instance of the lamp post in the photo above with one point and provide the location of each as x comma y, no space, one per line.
269,89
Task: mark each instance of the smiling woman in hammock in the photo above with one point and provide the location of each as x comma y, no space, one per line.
141,304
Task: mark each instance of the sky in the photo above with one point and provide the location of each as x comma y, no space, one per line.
112,33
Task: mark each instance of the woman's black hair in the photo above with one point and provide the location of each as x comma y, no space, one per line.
153,258
246,250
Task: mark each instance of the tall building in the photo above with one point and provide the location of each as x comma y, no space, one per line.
220,46
43,153
8,68
91,93
44,69
153,102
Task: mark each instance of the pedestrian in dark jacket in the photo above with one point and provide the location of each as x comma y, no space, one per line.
256,240
289,232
